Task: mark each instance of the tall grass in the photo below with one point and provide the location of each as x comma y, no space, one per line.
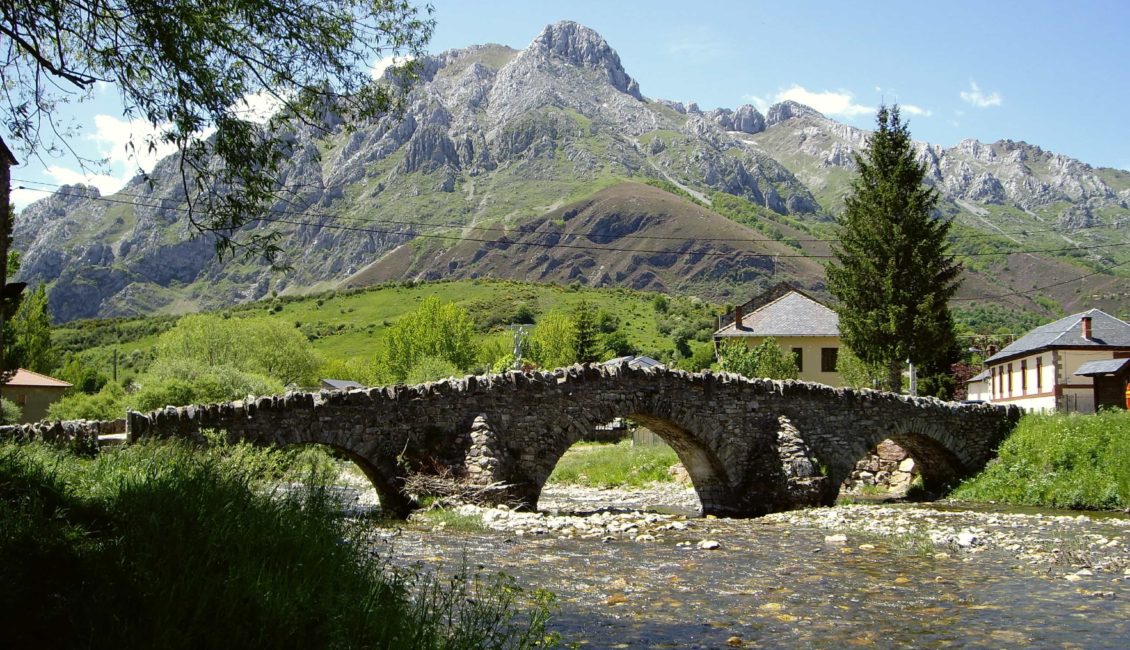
1063,461
160,545
608,465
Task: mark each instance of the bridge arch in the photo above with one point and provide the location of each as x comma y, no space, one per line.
728,430
708,474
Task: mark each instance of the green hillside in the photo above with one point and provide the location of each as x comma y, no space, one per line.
346,324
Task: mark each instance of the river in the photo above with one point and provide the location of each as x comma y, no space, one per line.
630,576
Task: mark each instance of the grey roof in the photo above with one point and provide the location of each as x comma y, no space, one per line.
1106,332
636,362
341,384
793,314
981,376
1103,367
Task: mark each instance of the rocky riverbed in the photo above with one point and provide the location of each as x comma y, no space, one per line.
639,569
1071,546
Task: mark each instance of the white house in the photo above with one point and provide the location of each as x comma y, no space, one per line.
798,323
1040,371
977,387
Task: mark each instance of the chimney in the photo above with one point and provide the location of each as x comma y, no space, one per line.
738,317
1086,323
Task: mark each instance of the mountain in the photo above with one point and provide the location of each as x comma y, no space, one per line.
529,164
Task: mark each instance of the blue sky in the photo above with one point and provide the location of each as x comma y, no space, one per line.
1052,74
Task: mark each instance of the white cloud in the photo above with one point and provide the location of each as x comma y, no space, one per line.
760,103
132,145
916,110
979,99
828,102
384,63
258,107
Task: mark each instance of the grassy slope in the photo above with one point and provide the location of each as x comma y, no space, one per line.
1063,461
349,324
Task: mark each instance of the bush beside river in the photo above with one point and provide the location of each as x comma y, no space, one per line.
1060,461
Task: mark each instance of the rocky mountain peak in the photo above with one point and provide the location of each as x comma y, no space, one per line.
583,47
788,110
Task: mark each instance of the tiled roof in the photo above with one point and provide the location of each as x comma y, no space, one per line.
1106,332
1103,367
793,314
29,378
981,376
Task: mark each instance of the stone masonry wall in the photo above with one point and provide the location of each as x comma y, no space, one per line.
728,431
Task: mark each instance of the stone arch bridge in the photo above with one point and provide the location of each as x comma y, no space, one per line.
750,446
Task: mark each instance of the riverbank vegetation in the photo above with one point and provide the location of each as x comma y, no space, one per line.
168,545
614,465
1060,461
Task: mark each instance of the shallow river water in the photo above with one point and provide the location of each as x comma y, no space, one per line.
866,576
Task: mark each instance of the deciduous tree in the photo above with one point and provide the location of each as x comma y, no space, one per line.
893,275
188,68
553,342
31,334
436,329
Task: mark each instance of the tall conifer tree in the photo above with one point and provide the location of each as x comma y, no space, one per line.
893,274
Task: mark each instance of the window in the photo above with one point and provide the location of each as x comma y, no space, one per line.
1010,380
21,399
1039,375
993,381
798,356
1024,376
828,357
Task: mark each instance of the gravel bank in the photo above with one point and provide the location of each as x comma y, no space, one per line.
1071,546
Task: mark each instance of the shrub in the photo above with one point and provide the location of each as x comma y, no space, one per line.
767,359
106,404
183,382
10,413
431,368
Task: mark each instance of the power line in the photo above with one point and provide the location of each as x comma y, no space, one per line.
1046,286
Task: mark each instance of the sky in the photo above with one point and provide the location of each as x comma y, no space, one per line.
1053,74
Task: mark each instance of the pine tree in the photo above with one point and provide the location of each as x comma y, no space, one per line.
588,332
893,275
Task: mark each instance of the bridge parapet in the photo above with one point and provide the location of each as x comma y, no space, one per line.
742,457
